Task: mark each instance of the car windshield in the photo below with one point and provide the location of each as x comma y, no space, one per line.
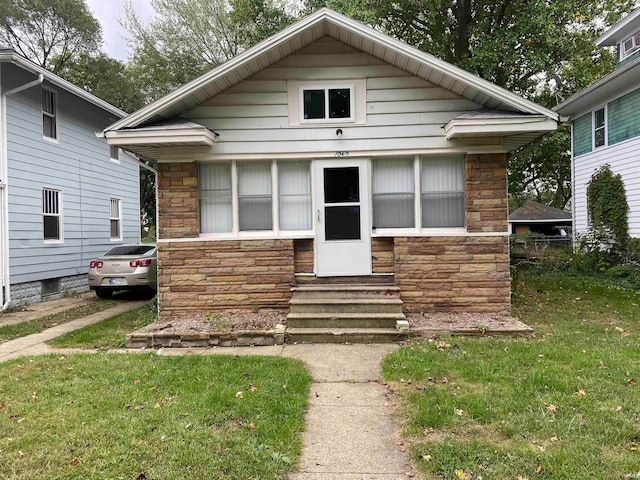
129,250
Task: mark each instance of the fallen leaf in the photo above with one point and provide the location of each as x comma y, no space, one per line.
461,474
539,469
460,413
634,447
252,388
63,358
553,439
138,407
581,393
136,382
618,408
21,453
618,329
631,382
34,396
239,395
75,461
251,426
550,408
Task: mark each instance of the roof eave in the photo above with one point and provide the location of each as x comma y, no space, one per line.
620,31
176,136
12,57
499,127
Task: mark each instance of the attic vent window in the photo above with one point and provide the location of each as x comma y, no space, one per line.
323,104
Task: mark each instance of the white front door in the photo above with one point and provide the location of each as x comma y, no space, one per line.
343,228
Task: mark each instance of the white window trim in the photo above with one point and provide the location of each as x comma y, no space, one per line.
60,215
115,159
358,99
118,218
54,115
593,128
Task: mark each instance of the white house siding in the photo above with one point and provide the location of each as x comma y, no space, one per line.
78,164
403,112
623,159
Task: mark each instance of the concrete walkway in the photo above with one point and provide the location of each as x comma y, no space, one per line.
32,311
34,344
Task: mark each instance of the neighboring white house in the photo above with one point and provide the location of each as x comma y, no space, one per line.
606,124
65,195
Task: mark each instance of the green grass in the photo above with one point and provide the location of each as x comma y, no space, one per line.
147,416
563,405
11,332
109,333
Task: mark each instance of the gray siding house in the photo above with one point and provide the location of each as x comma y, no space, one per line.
606,124
65,196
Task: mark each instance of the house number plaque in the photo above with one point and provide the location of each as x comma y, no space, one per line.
342,154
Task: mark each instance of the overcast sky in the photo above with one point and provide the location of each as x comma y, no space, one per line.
108,13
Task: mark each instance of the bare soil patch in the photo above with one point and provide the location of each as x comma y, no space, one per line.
218,322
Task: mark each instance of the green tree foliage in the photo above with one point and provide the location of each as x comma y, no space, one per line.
104,77
607,206
188,37
522,45
49,32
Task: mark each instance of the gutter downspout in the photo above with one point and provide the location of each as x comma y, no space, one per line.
4,194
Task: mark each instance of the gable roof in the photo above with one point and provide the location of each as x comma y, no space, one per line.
311,28
8,55
622,30
537,212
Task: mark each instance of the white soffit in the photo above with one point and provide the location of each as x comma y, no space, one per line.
311,28
621,31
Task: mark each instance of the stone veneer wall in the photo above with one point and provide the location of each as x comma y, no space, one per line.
209,276
463,274
178,200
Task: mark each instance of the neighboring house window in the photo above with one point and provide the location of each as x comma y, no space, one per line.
442,192
115,219
334,104
114,153
294,189
600,127
393,192
254,196
630,46
49,114
52,215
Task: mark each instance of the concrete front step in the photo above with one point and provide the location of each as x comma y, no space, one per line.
374,304
344,335
344,320
345,291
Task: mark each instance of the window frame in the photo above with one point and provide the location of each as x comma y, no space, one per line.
114,149
118,218
595,128
626,53
275,231
52,115
326,88
46,205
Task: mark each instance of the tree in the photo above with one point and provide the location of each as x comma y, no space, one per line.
49,32
104,77
188,37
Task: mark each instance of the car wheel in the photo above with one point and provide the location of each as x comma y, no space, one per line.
103,293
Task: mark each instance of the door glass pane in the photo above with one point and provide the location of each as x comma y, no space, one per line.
341,185
342,223
340,103
313,104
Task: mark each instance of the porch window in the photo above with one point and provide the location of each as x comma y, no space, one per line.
255,210
214,180
294,185
442,192
393,193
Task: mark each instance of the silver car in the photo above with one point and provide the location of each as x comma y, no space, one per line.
125,267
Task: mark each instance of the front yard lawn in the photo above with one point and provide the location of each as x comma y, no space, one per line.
563,405
150,417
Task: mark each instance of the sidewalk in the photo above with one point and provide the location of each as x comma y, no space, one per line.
350,433
32,311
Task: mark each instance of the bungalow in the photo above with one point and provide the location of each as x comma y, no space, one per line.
332,153
606,125
66,196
